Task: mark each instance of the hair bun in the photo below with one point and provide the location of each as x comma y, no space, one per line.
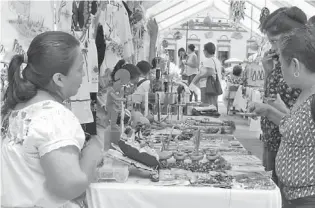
296,14
120,64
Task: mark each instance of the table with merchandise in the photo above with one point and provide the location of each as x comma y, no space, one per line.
194,163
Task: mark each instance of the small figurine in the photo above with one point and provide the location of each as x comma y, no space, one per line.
114,102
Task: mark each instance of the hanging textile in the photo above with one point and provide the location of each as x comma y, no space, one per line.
140,32
81,102
93,72
63,15
124,31
23,20
254,74
117,33
112,54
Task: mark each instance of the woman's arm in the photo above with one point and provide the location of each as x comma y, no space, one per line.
279,107
275,115
263,109
68,175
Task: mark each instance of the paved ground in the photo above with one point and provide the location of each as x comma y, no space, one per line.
249,139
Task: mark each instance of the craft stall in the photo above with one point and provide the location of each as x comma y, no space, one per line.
193,162
107,30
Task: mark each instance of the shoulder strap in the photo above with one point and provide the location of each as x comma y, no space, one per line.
140,82
215,66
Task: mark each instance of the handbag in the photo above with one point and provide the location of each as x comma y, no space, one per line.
213,86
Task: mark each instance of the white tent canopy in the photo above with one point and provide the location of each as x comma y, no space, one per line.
172,13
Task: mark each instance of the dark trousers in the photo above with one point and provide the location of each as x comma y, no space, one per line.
190,79
269,159
305,202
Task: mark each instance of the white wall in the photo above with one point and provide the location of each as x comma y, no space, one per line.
237,50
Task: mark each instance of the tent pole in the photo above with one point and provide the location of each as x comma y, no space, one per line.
187,37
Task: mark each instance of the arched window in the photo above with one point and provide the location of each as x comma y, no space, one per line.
251,47
223,48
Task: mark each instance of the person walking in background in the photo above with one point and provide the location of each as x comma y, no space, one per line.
236,76
211,67
191,67
233,80
182,56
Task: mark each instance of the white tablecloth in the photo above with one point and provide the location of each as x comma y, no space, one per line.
130,195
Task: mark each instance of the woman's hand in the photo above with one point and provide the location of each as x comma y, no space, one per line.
267,61
260,109
279,105
153,27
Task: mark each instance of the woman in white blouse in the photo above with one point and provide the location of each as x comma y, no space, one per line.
44,163
191,67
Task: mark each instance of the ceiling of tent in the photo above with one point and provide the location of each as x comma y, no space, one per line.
172,13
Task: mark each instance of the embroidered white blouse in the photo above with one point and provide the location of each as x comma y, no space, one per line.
33,132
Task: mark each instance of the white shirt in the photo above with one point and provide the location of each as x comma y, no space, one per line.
190,70
144,87
33,132
214,64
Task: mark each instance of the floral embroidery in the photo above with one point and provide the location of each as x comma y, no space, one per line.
275,84
234,79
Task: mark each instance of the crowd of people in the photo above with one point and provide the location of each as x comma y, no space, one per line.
46,161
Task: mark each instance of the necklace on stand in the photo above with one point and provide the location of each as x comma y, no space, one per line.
87,24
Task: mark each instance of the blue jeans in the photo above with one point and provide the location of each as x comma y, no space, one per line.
190,79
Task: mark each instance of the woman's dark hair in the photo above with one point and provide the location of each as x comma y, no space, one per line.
144,67
311,21
283,20
300,44
100,45
192,47
237,70
132,69
49,53
210,48
181,50
155,62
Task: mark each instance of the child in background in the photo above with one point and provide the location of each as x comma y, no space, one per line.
144,82
144,85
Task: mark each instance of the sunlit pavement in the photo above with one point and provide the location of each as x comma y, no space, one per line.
250,140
